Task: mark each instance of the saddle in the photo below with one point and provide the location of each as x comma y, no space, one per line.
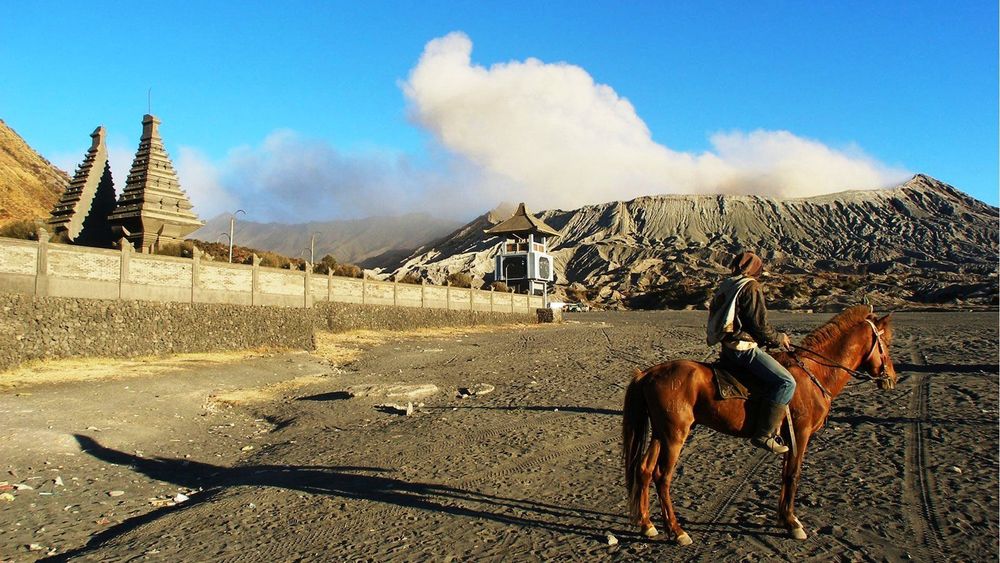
732,382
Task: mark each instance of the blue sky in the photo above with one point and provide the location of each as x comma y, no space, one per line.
776,98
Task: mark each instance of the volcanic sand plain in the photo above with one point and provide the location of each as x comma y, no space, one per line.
278,463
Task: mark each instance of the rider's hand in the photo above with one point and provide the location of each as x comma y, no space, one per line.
784,342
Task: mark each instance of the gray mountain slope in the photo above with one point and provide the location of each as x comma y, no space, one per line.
355,240
938,243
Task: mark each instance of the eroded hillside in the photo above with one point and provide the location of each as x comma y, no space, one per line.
923,243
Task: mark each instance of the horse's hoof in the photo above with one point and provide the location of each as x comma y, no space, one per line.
650,532
799,533
684,539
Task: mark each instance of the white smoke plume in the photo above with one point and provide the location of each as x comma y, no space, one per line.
543,133
549,135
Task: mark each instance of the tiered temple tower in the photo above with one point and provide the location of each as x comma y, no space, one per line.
524,262
153,210
82,212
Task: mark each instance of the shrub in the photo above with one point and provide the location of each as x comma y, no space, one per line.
459,279
325,265
410,277
273,260
348,271
499,286
182,249
25,229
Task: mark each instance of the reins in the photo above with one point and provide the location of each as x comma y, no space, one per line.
863,376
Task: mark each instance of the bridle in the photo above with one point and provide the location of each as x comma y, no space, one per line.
877,345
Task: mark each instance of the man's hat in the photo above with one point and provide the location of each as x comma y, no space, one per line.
747,264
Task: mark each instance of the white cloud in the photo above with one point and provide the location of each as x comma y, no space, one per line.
548,134
199,178
543,133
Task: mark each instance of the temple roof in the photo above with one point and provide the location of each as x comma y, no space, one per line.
522,222
152,189
91,191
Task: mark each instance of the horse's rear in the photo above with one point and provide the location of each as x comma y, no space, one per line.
667,396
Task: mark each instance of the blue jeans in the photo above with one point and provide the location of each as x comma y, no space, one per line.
780,384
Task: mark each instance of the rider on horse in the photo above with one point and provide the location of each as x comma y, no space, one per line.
738,320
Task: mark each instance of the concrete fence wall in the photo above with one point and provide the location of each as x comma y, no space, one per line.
37,328
44,269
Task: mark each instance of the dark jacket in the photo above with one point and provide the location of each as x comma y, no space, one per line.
751,317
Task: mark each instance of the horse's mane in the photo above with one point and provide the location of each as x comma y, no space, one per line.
837,326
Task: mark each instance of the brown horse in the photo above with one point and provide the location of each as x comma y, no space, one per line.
674,396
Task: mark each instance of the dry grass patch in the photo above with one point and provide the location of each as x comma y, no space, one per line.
41,372
340,348
260,394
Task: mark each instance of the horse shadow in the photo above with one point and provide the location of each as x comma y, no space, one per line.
349,482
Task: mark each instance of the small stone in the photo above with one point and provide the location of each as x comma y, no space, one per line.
478,389
59,481
23,487
612,540
36,547
246,448
7,497
115,493
181,497
956,469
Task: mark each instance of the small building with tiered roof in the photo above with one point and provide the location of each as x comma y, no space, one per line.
523,261
153,210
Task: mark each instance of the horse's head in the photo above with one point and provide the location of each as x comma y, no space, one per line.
878,363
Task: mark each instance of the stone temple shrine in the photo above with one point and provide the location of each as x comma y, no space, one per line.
152,210
81,215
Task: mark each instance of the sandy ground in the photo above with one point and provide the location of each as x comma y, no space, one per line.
279,464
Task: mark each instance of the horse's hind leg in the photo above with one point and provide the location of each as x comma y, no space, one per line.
649,463
677,433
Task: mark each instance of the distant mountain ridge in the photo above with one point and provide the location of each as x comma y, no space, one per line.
365,242
657,250
30,186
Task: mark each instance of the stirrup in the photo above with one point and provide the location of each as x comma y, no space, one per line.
770,443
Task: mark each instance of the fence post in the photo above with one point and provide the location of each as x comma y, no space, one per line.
329,285
447,295
422,303
492,309
512,301
307,283
364,290
254,281
126,248
472,300
195,271
42,264
395,298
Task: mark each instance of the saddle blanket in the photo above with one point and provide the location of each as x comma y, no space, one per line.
731,384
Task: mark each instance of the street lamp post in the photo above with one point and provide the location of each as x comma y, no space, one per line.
232,226
312,247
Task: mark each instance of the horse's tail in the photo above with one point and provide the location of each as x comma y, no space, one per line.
635,423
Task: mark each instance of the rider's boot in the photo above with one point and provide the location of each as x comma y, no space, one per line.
769,417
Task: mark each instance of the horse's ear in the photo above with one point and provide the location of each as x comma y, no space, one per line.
885,320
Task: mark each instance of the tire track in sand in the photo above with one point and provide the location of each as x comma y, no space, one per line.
923,518
720,503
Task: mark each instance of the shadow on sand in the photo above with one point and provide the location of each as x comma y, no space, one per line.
552,408
365,483
985,369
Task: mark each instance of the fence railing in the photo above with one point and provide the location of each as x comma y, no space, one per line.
59,270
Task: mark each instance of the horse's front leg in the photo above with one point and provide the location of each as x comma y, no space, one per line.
790,473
